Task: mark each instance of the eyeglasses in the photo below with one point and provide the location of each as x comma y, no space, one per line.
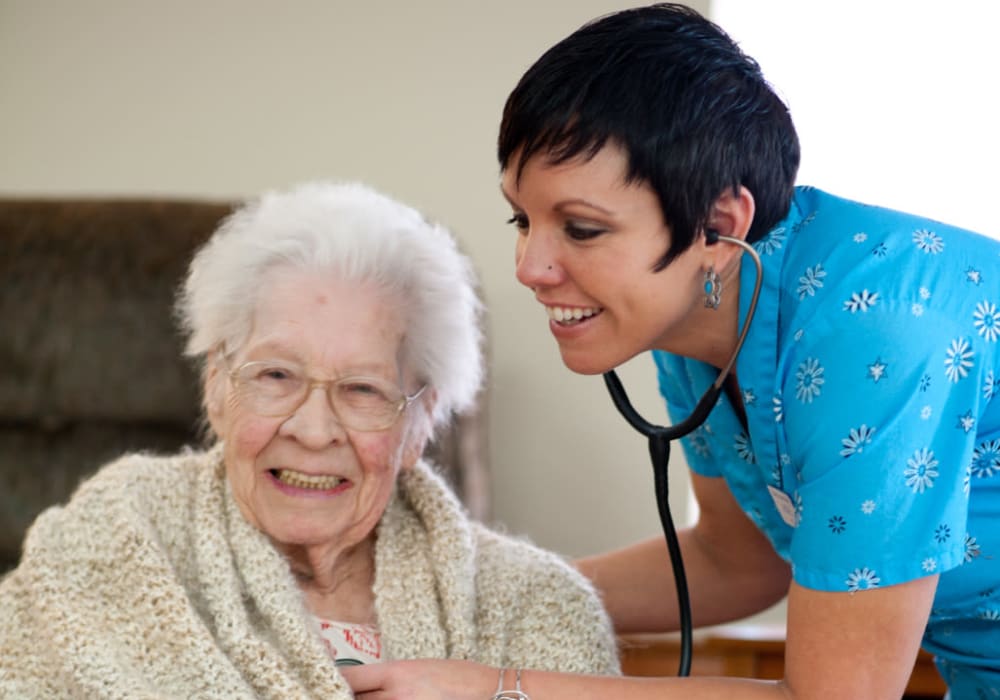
275,388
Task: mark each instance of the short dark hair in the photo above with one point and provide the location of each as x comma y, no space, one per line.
692,112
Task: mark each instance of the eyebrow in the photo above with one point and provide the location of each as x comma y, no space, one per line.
278,350
506,196
562,204
275,347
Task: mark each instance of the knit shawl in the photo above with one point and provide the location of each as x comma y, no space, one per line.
150,583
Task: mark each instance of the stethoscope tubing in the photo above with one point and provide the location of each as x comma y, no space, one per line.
659,450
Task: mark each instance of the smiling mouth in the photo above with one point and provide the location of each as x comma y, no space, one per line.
299,480
566,316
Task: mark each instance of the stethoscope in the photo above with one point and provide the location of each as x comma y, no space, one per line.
659,446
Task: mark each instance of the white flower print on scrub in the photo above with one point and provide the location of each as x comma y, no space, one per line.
862,579
958,359
920,472
810,380
928,241
986,319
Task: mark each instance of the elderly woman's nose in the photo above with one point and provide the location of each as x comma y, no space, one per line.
314,423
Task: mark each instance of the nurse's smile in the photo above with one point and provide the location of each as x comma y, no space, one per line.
570,316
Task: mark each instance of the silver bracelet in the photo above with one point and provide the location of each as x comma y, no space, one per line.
515,694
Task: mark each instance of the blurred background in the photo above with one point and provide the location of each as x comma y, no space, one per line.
221,99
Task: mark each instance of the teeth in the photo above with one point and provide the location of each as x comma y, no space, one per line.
569,316
308,481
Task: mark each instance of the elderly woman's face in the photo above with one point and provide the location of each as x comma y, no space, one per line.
306,479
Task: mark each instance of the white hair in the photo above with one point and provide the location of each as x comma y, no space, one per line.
358,234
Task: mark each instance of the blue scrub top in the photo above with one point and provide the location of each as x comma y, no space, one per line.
870,378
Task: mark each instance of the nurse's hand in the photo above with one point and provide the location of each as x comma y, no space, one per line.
425,679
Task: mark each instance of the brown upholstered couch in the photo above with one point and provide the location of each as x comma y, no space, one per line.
90,359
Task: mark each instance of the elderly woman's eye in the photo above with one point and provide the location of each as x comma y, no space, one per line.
364,392
362,388
275,375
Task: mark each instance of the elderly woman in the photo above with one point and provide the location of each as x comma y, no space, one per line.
336,328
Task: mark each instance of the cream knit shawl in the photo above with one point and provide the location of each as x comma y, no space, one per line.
149,583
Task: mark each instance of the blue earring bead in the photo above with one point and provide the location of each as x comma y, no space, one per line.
713,289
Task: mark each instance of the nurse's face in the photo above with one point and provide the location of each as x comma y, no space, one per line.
587,246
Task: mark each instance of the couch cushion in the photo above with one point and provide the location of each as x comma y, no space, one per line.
90,358
88,288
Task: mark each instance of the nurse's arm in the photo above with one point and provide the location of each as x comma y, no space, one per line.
840,645
731,569
863,644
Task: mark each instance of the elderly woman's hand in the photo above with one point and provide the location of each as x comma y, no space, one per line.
428,679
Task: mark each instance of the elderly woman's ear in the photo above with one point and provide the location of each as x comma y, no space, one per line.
214,391
420,428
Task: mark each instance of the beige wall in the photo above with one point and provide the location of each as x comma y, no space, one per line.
221,98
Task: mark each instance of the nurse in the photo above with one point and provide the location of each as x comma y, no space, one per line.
853,462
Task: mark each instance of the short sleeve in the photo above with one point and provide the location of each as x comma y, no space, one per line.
879,406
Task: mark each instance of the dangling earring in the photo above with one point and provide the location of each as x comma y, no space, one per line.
713,288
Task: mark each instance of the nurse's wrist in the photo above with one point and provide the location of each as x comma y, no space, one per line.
509,686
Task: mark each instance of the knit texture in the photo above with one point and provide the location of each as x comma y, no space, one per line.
149,583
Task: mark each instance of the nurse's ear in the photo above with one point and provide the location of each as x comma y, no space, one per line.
731,215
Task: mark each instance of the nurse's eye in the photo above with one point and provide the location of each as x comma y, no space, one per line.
519,221
579,232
